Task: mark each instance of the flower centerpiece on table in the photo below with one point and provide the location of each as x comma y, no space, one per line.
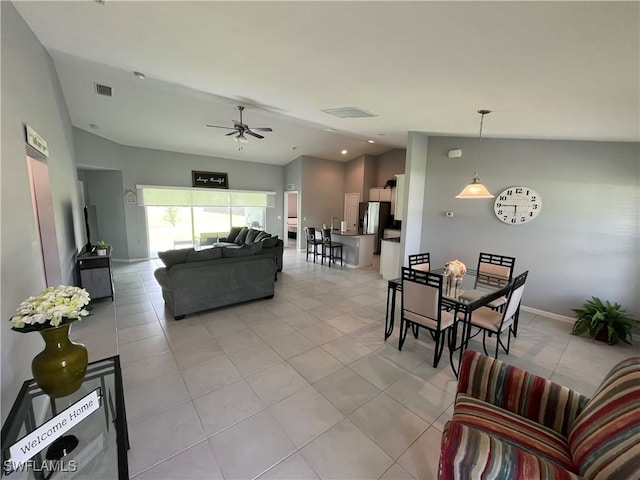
454,271
455,268
53,307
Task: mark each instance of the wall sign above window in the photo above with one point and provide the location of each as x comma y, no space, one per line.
209,179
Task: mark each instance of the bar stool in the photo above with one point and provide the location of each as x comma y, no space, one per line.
331,247
312,242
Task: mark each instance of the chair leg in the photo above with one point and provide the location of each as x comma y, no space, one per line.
439,347
404,326
416,330
484,346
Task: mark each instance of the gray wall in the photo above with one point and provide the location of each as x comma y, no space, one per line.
322,194
389,165
354,177
584,243
143,166
31,94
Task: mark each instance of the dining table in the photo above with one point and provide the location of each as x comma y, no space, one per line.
470,292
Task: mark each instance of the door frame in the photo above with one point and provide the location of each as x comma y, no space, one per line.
287,195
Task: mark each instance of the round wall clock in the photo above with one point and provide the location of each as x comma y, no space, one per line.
517,205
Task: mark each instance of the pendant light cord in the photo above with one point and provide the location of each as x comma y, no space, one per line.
482,114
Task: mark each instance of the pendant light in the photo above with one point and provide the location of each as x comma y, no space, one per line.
476,189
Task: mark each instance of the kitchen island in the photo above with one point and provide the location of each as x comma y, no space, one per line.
357,248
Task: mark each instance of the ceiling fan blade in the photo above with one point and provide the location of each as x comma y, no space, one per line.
263,129
231,133
249,132
218,126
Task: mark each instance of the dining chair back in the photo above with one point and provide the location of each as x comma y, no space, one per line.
420,261
330,249
490,321
312,243
422,307
494,270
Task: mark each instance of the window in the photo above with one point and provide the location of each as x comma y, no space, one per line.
196,217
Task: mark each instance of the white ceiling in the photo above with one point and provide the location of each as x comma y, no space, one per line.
550,70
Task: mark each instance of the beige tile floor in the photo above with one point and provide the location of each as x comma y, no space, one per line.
301,386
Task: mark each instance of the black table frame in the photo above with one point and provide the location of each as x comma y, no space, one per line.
395,285
22,412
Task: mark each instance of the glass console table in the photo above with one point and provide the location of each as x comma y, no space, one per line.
95,448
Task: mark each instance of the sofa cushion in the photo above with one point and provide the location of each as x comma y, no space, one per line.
513,428
251,235
233,233
269,242
473,454
202,255
243,251
261,236
604,439
174,257
241,236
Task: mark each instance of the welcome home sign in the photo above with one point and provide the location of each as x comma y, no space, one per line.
48,432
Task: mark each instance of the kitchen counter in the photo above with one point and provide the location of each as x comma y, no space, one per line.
357,248
390,258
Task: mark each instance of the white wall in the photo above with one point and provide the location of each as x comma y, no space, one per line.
31,95
322,194
586,240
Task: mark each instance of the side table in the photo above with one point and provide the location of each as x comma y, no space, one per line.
99,443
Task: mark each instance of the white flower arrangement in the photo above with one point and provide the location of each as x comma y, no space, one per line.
455,268
53,307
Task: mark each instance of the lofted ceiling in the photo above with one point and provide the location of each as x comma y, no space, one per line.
548,70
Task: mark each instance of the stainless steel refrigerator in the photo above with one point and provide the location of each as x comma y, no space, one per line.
374,218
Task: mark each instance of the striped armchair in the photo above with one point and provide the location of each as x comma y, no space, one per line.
511,424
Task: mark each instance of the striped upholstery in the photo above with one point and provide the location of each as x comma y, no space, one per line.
605,439
520,392
510,424
514,429
471,454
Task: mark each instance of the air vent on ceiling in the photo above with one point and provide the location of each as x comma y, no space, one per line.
349,112
103,90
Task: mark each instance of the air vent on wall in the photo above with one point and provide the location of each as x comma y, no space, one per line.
349,112
103,90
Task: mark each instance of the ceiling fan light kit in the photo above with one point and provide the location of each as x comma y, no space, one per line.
241,129
475,189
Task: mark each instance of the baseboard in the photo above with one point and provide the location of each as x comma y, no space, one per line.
563,318
131,260
544,313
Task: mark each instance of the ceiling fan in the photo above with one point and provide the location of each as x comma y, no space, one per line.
240,130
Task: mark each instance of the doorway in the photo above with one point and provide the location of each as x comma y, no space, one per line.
291,220
351,203
42,203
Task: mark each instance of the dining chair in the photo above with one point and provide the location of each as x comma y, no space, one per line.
312,242
330,248
422,307
493,322
420,261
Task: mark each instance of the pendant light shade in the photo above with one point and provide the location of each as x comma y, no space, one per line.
476,189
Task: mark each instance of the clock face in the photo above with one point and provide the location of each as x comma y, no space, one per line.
517,205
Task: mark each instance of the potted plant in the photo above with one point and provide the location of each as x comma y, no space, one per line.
604,321
101,247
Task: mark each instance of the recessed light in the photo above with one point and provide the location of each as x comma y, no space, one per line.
94,126
343,152
371,141
139,75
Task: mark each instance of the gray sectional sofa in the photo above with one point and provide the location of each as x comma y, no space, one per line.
193,281
239,236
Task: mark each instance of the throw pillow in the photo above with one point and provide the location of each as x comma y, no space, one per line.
244,251
206,254
241,236
233,233
174,257
251,236
261,235
269,242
